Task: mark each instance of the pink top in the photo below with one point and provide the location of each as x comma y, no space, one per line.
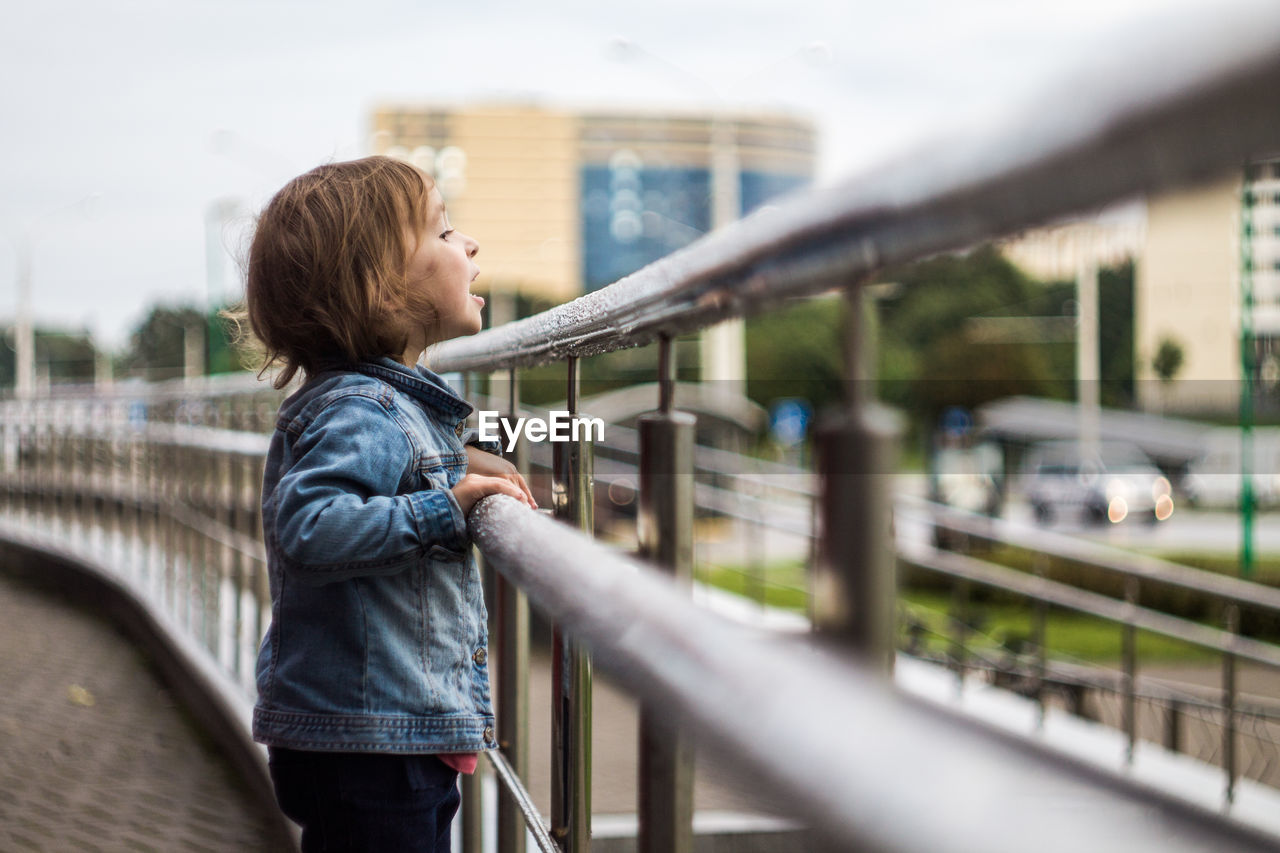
463,762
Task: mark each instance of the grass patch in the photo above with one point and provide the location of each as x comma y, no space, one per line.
1266,567
783,585
996,627
999,627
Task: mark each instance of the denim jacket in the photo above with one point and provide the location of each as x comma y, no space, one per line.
378,633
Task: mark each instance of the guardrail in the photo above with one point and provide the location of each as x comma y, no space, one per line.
1142,131
174,509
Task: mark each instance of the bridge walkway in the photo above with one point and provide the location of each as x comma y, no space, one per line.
95,754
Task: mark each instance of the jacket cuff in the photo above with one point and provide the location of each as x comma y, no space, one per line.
471,438
440,520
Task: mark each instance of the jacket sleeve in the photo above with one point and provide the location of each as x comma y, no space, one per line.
471,438
339,512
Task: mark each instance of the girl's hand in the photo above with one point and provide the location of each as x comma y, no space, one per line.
473,487
488,465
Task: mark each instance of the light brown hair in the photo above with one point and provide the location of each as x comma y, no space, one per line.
326,273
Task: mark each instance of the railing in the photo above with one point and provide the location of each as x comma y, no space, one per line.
813,723
173,509
1140,132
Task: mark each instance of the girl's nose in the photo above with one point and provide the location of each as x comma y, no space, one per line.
472,247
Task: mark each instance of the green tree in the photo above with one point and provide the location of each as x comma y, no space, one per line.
1168,359
930,356
158,345
1115,331
795,351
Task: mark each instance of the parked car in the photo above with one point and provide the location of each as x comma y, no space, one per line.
1214,480
1115,482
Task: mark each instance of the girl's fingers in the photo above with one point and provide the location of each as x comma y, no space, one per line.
523,494
524,487
509,488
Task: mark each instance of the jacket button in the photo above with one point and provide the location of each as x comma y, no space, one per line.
459,429
488,734
480,657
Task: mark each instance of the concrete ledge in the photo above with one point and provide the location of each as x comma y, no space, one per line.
212,700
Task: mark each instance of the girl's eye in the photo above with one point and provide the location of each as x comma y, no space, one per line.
445,235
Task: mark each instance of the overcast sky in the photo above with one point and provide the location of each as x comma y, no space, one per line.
126,122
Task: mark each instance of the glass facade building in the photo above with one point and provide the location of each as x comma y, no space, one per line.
564,203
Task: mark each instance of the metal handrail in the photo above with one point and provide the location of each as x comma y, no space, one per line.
1160,132
844,733
962,567
1125,564
512,782
1169,112
1131,618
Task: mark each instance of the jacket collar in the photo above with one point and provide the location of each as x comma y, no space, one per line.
418,382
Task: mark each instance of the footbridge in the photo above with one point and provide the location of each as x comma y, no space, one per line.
144,501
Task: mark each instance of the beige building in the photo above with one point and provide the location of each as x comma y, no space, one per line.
564,202
1188,290
510,180
1054,252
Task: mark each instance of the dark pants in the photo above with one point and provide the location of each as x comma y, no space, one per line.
348,802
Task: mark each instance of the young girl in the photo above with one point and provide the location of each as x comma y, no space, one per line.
373,688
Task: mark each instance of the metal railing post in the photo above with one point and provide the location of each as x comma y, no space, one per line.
1130,653
1039,620
665,529
572,502
1173,726
853,577
1229,707
471,784
240,660
512,646
959,623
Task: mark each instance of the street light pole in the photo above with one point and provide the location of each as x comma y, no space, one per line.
24,380
723,347
24,338
1246,378
1088,373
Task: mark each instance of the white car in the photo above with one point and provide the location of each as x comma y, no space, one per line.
1115,482
1215,479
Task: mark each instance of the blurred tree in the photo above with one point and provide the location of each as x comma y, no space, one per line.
1115,331
795,351
158,345
929,357
1168,359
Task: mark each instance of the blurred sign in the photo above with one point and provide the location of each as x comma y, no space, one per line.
957,421
789,420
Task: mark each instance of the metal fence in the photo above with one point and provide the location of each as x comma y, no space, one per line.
1202,112
173,509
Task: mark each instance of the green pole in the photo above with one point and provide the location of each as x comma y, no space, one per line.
1246,380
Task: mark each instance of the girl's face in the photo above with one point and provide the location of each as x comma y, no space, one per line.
440,272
